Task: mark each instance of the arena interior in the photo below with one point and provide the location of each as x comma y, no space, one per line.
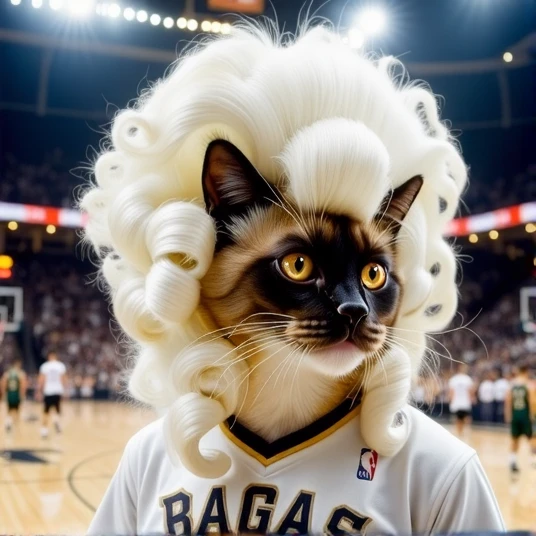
67,67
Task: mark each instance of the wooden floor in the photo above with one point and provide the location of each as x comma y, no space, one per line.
60,496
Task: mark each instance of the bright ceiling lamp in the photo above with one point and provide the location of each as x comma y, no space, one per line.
80,8
372,20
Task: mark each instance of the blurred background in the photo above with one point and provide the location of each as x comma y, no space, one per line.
66,68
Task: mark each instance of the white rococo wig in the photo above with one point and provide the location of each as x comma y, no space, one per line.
297,110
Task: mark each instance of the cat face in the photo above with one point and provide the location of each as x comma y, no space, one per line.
322,284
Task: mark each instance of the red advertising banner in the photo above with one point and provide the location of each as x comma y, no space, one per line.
252,7
478,223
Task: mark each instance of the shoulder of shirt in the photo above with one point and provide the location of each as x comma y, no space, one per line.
150,439
429,440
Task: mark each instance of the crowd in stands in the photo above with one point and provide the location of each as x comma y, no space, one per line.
67,314
506,191
51,183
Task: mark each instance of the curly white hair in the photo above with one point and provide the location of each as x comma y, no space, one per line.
270,98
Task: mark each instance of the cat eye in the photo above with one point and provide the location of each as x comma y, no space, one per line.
297,266
373,276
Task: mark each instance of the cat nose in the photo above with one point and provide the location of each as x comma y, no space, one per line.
354,310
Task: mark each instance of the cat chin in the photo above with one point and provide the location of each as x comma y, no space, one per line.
338,360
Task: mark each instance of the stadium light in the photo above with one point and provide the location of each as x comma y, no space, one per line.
51,229
508,57
225,28
114,11
215,27
80,8
142,16
205,26
155,19
129,14
16,2
192,25
493,234
12,225
530,228
37,3
473,238
372,20
182,23
168,22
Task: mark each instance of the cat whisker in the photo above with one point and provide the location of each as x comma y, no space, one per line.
275,370
266,343
250,371
302,357
222,330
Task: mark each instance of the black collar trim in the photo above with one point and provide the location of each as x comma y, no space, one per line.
269,453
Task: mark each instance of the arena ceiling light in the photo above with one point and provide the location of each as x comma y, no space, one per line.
508,57
372,20
80,8
129,14
85,8
114,11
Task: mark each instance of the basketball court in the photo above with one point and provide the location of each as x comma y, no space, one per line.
54,485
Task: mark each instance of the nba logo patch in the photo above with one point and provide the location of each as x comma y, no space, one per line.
367,464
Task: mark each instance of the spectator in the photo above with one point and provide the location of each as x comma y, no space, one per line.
486,398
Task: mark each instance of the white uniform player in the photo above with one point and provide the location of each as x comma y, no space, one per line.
323,478
461,397
51,382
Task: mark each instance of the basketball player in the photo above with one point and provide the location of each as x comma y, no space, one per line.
14,385
51,383
461,397
519,406
304,158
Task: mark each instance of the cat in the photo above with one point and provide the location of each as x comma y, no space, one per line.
307,297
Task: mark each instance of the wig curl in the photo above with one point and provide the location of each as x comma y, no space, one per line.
286,105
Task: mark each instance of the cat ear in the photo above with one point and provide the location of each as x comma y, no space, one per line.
396,205
231,185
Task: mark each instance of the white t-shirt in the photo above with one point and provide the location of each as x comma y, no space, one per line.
321,479
486,391
53,372
501,388
461,385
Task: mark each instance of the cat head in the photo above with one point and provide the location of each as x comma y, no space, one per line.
323,283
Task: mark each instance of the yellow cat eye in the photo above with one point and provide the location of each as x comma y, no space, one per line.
373,276
297,266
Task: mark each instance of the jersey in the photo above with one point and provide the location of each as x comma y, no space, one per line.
520,402
461,385
53,372
13,387
323,478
